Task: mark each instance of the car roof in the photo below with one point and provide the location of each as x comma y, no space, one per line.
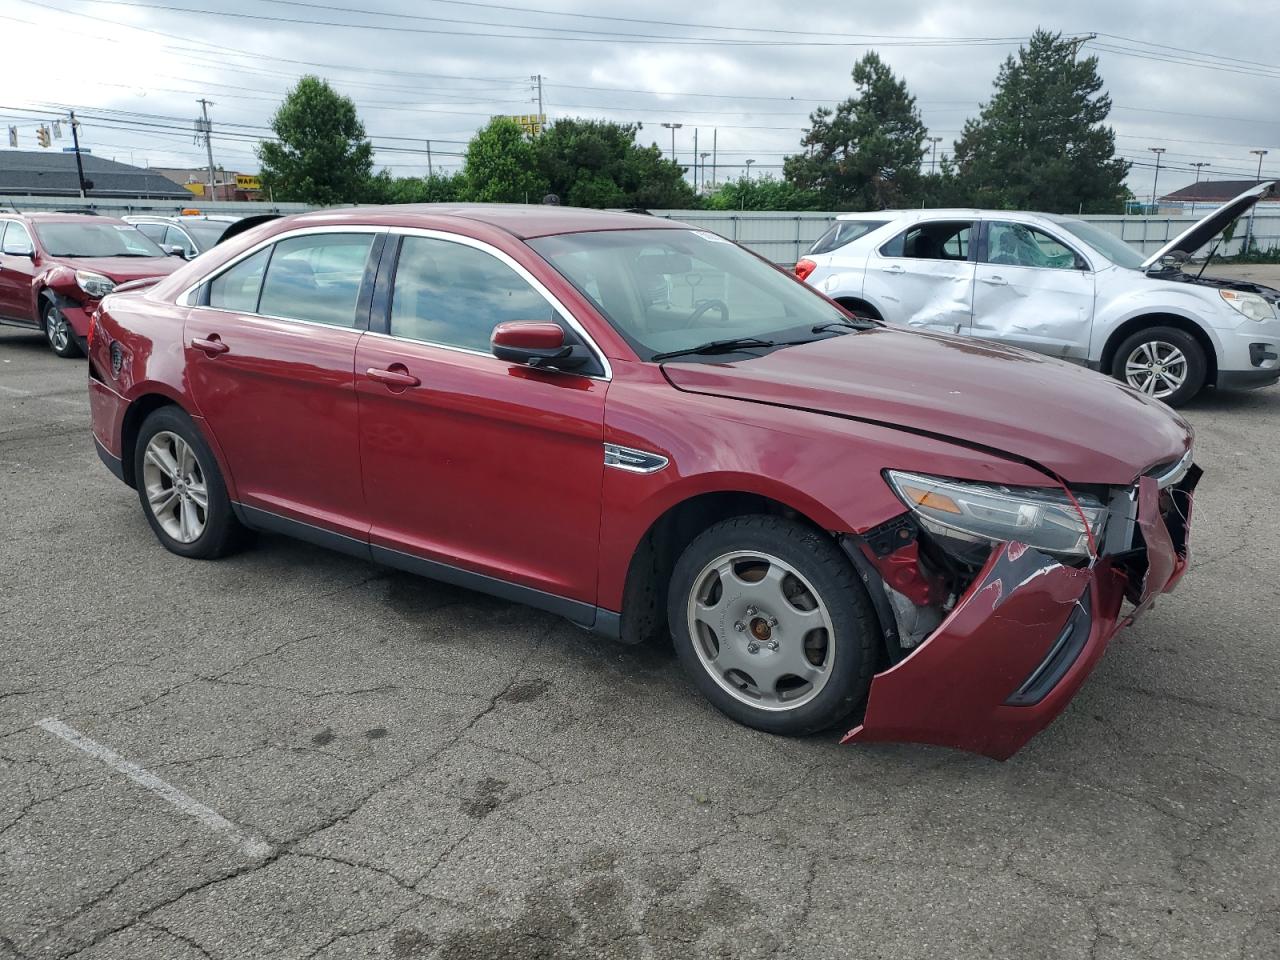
941,213
40,217
525,221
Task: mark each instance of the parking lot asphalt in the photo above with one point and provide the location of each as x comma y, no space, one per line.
294,754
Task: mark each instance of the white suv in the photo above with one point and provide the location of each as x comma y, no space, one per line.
1059,286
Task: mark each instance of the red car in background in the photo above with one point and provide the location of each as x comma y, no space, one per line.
652,432
55,267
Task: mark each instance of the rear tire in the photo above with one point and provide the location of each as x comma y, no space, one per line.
773,625
181,489
57,330
1162,362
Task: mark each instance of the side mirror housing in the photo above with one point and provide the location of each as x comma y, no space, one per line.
21,248
175,250
538,344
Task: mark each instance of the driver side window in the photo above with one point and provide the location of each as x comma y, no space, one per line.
1020,245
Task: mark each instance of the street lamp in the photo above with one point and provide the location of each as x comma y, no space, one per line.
1198,165
933,153
1157,151
749,163
1260,154
703,175
673,127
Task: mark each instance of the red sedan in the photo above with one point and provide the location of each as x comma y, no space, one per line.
55,267
652,432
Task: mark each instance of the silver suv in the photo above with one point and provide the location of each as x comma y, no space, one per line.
1062,287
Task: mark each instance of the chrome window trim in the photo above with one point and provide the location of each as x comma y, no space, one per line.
184,299
522,273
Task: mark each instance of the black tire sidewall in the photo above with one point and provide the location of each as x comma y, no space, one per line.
73,348
820,562
221,526
1197,362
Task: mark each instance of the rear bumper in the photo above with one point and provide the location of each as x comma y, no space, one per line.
1017,647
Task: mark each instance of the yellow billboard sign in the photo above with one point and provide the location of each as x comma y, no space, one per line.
530,123
196,188
247,182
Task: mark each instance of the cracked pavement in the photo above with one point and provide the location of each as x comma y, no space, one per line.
444,775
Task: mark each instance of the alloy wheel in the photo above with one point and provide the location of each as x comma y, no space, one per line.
57,329
1157,368
175,487
761,630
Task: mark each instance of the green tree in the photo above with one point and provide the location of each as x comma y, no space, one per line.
1042,142
865,154
762,193
501,166
321,155
597,163
437,188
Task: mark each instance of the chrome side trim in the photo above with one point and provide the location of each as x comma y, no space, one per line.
632,460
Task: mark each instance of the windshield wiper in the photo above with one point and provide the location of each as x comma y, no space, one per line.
842,325
730,345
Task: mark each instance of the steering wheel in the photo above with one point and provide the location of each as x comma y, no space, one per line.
706,305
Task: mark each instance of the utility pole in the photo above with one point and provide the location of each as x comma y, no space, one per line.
1080,41
1157,151
748,163
1248,242
537,78
695,159
933,154
715,132
673,127
430,170
208,145
75,139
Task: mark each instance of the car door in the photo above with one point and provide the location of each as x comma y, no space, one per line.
1033,291
474,466
923,277
269,358
17,271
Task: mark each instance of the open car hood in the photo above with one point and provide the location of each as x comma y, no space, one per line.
1082,426
1198,234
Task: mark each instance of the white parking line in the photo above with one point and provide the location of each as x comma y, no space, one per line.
249,846
27,394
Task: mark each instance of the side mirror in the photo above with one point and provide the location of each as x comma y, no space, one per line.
20,248
175,250
537,344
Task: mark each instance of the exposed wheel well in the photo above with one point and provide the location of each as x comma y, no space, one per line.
859,306
1130,327
138,411
644,601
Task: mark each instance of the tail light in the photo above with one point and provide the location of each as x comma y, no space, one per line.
804,268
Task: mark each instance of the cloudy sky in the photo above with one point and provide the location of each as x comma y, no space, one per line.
1198,79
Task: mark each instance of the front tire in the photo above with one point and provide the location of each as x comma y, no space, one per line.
181,489
1162,362
57,331
773,625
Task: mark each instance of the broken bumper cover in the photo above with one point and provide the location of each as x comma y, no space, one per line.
1014,650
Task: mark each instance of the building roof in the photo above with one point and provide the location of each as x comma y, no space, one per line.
1214,191
46,174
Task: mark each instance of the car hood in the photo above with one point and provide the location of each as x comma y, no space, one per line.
1198,234
124,269
1079,425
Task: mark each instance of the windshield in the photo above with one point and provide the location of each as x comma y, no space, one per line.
206,233
669,290
844,232
71,239
1107,244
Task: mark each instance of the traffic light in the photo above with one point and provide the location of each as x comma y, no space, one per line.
42,136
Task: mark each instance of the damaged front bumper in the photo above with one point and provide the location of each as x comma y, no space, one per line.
1016,647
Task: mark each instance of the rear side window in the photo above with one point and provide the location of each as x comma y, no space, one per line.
452,294
948,240
152,231
316,278
238,288
844,232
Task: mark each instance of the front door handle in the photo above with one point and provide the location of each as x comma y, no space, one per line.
397,375
996,281
211,345
895,268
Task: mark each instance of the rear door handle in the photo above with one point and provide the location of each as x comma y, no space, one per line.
212,345
996,281
397,375
894,268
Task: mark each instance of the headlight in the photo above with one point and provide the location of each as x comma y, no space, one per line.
1040,517
1250,304
95,285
